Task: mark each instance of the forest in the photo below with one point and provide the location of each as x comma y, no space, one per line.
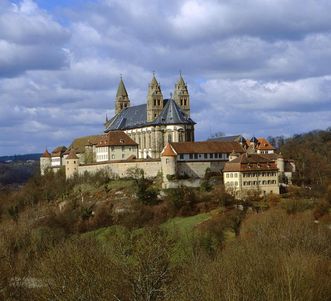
97,237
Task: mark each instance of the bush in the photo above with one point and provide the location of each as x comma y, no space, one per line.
293,206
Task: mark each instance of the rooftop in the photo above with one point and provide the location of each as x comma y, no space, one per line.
206,147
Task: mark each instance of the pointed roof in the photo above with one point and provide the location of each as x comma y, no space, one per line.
181,80
121,90
72,155
154,81
168,151
46,154
172,114
136,116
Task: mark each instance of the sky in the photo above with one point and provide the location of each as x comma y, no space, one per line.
258,67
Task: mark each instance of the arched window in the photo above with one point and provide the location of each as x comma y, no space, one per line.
169,138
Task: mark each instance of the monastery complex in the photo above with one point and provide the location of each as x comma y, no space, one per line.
158,137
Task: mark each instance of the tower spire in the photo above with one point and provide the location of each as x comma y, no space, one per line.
182,96
122,100
154,99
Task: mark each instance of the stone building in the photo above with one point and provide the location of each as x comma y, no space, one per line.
252,172
156,123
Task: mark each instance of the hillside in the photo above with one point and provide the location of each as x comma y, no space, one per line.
122,239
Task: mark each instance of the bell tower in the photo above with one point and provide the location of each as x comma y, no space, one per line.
122,100
154,100
181,96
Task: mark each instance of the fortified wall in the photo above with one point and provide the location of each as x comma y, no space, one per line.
120,168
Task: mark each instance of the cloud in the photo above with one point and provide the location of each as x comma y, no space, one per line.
29,39
252,67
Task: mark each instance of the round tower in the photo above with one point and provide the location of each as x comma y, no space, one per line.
280,163
168,162
45,162
72,164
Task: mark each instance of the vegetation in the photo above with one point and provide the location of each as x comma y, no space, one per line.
96,237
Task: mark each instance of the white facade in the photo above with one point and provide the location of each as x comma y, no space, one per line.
111,153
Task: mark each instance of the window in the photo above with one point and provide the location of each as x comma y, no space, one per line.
211,156
123,156
195,156
227,175
154,102
235,175
113,156
181,156
169,138
167,161
231,175
158,102
122,148
191,156
206,156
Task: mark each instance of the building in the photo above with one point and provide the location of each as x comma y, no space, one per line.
156,123
158,137
115,146
248,172
191,160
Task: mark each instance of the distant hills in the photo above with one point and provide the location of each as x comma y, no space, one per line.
17,158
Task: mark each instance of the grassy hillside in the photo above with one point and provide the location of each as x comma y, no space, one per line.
120,239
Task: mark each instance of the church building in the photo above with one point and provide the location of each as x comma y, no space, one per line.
156,123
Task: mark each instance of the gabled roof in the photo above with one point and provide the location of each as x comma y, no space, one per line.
136,116
263,144
79,143
115,138
58,151
250,162
168,151
206,147
237,138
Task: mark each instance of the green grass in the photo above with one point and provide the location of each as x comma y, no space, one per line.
121,184
185,225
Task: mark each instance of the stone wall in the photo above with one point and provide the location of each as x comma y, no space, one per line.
119,168
197,169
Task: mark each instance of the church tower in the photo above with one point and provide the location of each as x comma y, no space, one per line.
154,100
122,98
181,96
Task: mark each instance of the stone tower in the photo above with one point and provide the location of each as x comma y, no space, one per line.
122,98
154,100
45,162
181,96
72,164
168,163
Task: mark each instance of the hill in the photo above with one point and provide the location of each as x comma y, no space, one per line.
25,157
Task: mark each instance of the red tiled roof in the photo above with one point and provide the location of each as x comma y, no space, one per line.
168,151
46,154
250,162
206,147
263,144
58,151
72,155
115,138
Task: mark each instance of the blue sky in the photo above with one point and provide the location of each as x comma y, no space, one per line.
252,67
